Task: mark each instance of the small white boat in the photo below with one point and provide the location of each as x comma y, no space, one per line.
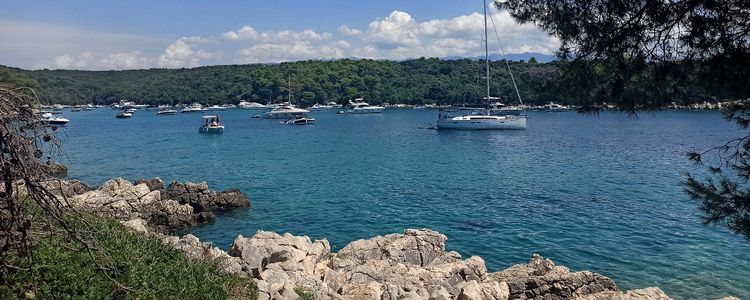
216,108
286,111
130,110
54,120
500,109
361,107
554,107
211,124
124,115
300,121
318,106
334,104
193,108
166,111
252,105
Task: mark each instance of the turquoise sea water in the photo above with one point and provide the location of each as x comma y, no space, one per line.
596,193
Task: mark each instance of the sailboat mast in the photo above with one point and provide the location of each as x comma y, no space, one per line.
290,90
486,52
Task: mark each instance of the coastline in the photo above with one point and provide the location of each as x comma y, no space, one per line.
412,265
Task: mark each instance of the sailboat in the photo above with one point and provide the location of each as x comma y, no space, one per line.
286,110
486,120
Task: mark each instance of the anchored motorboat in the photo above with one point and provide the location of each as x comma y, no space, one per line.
216,108
166,111
300,121
252,105
359,106
193,108
318,106
54,120
124,115
211,124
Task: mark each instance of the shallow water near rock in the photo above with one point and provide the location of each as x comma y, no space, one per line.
591,193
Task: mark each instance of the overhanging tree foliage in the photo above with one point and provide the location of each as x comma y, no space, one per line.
636,53
613,45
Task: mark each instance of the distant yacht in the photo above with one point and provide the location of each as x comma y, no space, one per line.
286,111
166,111
211,124
216,108
499,109
252,105
318,106
483,119
554,107
359,106
335,105
124,115
195,107
300,121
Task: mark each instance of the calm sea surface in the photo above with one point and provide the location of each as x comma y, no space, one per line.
596,193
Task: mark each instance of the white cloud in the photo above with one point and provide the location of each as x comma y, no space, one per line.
244,33
287,36
88,61
345,30
396,30
181,54
38,45
125,60
396,36
399,36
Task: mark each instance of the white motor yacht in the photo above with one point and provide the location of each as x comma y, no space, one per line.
216,108
318,106
166,111
252,105
286,111
359,106
334,104
193,108
554,107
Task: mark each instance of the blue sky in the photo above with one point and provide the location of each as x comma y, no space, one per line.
170,33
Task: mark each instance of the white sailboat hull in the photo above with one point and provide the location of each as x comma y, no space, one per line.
483,123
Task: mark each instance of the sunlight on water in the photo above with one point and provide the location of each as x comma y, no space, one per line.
597,193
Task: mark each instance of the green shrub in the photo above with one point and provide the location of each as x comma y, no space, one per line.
304,294
131,266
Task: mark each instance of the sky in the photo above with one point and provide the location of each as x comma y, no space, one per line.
136,34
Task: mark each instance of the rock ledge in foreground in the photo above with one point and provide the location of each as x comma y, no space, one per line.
413,265
179,205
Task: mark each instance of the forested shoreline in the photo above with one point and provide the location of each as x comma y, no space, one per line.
416,81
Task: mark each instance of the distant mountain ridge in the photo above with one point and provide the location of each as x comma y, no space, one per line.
540,57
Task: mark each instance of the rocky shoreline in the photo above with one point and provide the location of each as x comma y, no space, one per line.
412,265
